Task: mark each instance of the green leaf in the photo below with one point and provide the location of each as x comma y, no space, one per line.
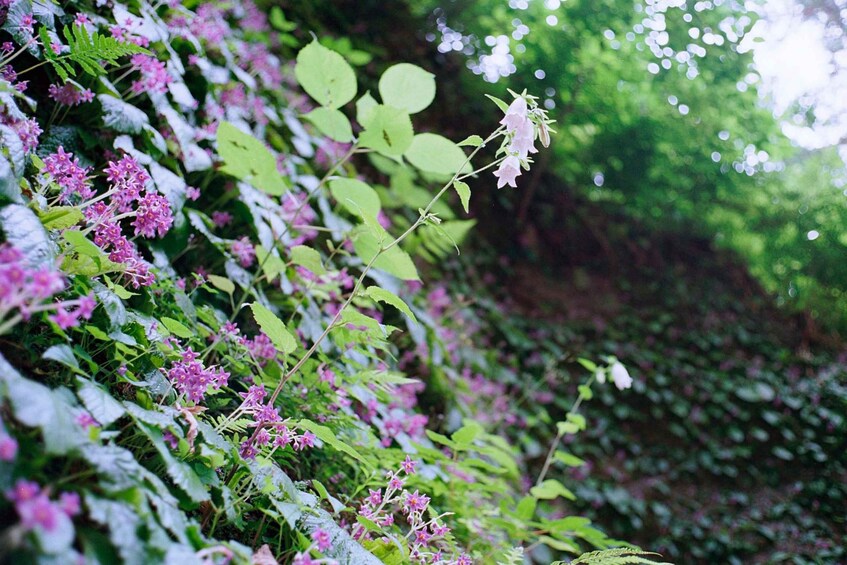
272,265
278,21
332,123
500,104
464,192
364,108
436,154
551,489
179,471
395,261
221,283
471,141
274,328
568,459
25,232
526,507
357,198
247,158
307,257
61,217
466,435
388,131
176,327
325,75
99,402
407,87
63,354
439,438
327,436
382,295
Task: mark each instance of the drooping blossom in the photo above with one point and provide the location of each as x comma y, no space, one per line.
69,95
620,376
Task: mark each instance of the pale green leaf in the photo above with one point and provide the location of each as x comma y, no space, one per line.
307,257
274,328
248,159
357,197
332,123
388,131
551,489
176,327
325,75
464,192
395,261
407,87
221,283
382,295
436,154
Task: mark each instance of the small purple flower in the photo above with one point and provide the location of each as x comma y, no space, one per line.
153,216
409,465
69,503
8,448
322,539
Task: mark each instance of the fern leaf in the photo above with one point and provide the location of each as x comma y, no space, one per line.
91,51
513,557
619,556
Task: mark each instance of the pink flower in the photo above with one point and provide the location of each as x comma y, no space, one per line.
409,465
243,251
153,216
69,503
415,502
8,448
221,219
321,537
508,171
69,95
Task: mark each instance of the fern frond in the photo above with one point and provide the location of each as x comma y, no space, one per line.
88,50
619,556
513,557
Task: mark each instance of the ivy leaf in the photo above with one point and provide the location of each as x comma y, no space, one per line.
120,116
464,192
382,295
388,131
274,328
407,87
247,158
325,75
332,123
436,154
24,231
179,471
307,257
99,402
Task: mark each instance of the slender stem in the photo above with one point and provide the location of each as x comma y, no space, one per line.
560,433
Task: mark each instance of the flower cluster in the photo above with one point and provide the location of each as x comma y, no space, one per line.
28,131
520,133
270,429
64,169
36,510
69,95
192,379
25,290
322,542
154,75
381,507
243,251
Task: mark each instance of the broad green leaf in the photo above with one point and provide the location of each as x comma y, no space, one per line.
388,131
408,87
325,75
467,433
439,438
382,295
436,154
179,471
307,257
327,436
63,354
221,283
176,327
99,402
560,545
24,231
272,266
274,328
395,261
364,108
247,158
332,123
464,192
357,197
526,507
61,217
551,489
278,21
